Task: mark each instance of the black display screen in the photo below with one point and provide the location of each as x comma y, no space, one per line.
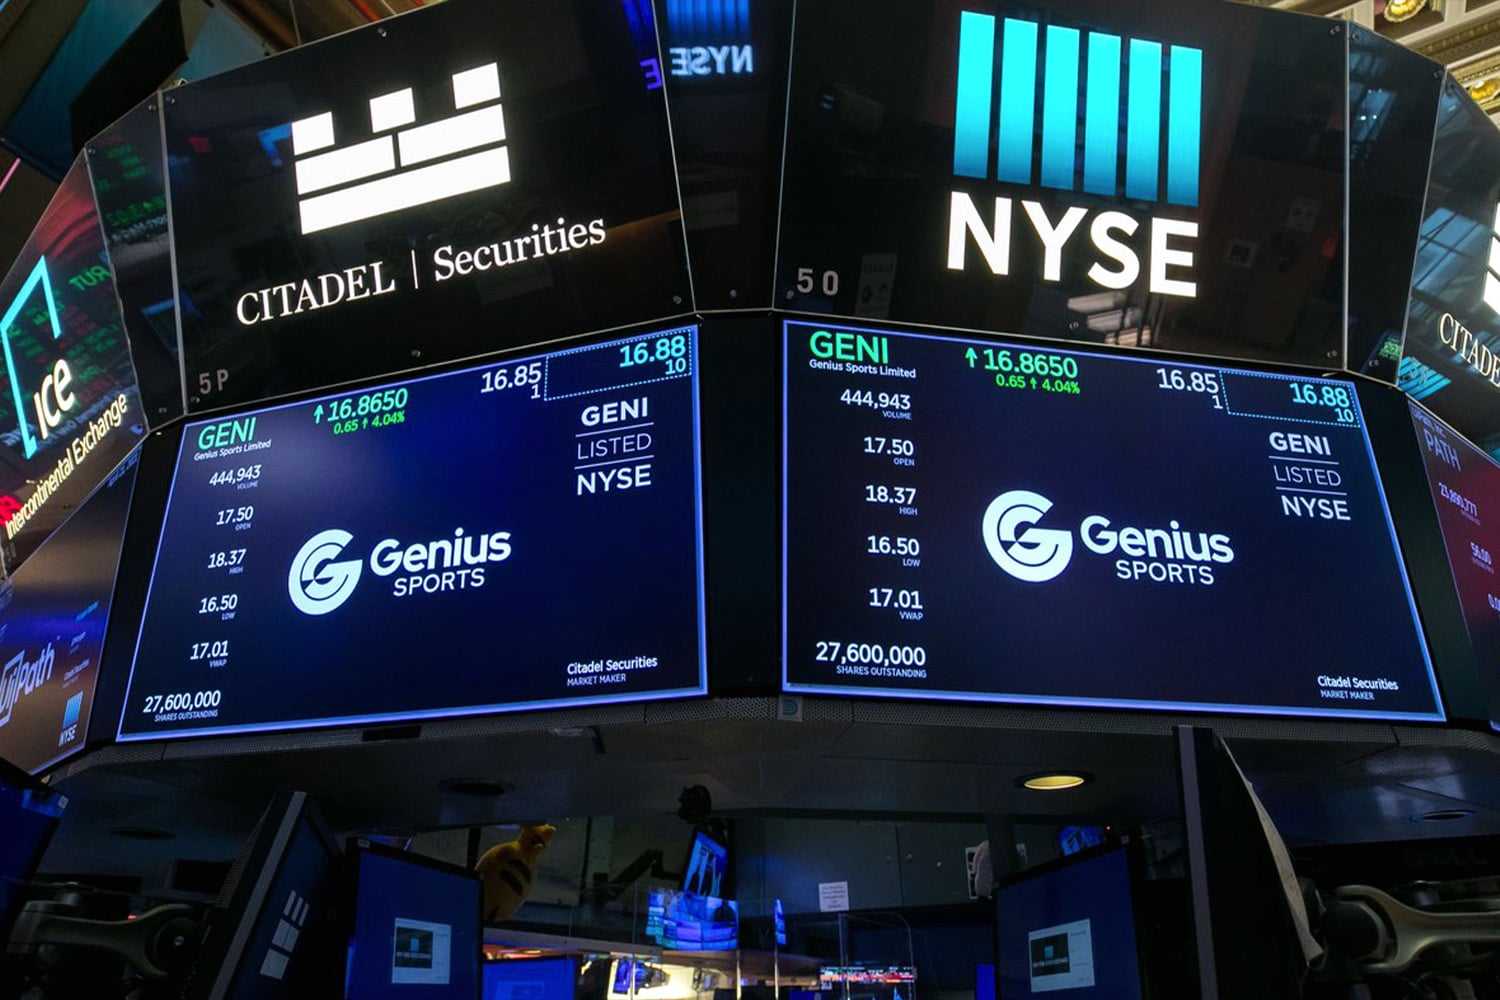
988,521
1466,493
1164,175
1451,353
521,534
52,628
468,177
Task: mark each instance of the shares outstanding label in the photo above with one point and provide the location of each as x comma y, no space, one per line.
981,520
521,534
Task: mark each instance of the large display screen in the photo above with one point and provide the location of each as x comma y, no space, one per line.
1009,522
1163,175
1451,353
521,534
69,408
468,177
1466,492
52,628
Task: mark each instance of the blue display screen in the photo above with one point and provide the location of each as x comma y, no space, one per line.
416,932
521,534
28,816
532,979
1070,929
52,630
989,521
1072,839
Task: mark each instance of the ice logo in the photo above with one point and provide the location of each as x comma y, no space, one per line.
317,583
1030,554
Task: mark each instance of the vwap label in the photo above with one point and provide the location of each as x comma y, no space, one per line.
321,580
1121,85
1033,554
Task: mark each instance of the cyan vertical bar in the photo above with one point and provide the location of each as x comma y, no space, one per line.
1060,109
1017,102
1101,115
976,80
1143,121
1184,123
744,17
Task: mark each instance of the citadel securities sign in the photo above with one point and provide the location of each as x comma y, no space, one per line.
1080,169
414,192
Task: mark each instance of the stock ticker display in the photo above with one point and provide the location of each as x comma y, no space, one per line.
520,534
988,521
1465,486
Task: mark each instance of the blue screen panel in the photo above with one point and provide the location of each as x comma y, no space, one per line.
416,932
1071,931
538,979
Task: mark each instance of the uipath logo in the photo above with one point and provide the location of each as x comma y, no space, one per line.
1101,66
318,581
437,160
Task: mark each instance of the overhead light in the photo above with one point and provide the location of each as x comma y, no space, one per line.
1054,781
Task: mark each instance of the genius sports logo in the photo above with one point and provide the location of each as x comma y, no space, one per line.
1035,554
1129,88
320,580
405,164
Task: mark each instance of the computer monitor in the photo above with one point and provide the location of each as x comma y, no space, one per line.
29,813
1070,927
867,981
416,927
708,863
531,979
272,933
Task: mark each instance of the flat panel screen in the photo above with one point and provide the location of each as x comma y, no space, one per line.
416,930
1165,174
69,409
52,629
1450,360
982,520
530,979
520,534
29,813
1070,931
1466,493
469,177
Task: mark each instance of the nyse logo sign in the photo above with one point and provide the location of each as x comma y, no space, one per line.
1129,82
406,164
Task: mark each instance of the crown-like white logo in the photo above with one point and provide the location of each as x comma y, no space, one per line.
406,164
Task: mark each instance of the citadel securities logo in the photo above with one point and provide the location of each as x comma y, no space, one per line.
1107,61
1038,555
1030,554
319,581
441,159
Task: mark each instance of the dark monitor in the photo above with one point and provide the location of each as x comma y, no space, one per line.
1244,924
1070,927
269,934
708,862
530,979
416,928
29,813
